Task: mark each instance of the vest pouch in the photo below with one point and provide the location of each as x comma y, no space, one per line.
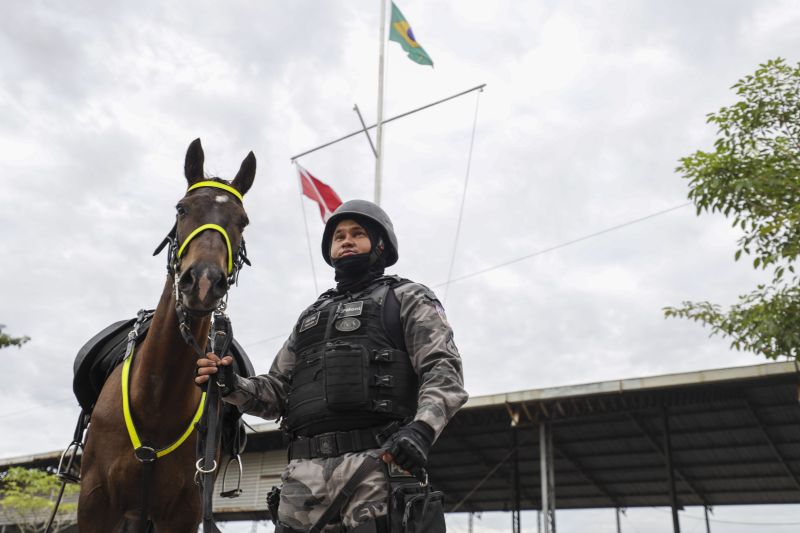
306,395
346,377
415,509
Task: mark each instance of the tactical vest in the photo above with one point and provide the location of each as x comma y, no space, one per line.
351,369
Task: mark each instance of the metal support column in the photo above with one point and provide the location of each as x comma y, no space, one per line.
515,513
673,497
619,528
547,475
708,524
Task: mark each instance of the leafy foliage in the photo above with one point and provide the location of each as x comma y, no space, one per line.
27,497
7,340
753,178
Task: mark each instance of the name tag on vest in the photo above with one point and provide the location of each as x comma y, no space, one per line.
350,309
309,322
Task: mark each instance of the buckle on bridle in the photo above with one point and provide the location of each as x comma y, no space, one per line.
145,454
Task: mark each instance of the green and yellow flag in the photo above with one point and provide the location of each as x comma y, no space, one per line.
400,32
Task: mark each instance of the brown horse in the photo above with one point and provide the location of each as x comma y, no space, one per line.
163,398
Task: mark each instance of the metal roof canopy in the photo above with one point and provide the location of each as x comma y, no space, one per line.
733,437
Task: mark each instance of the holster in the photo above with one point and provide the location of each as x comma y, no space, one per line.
414,508
273,500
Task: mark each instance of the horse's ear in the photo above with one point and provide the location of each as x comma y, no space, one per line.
193,168
247,173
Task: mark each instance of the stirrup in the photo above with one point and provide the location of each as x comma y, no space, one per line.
233,493
64,471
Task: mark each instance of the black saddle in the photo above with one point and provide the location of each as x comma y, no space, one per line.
103,352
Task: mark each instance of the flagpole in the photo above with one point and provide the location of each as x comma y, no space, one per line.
305,223
379,137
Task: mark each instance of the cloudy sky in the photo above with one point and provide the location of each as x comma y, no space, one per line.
587,109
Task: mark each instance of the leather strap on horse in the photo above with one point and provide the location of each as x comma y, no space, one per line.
208,443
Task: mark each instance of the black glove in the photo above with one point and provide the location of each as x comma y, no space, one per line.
410,445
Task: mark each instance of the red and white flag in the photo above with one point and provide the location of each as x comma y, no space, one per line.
320,192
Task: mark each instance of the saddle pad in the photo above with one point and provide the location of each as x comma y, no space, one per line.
102,353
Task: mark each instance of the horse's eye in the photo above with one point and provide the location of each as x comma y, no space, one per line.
180,209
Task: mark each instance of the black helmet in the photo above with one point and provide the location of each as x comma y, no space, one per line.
361,209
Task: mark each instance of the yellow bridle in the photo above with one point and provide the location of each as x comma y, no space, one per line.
214,227
201,229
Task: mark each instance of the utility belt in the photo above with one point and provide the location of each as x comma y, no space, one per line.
336,443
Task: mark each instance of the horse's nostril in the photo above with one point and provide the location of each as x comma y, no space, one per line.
188,280
220,284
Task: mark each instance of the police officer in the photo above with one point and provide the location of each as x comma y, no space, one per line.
371,363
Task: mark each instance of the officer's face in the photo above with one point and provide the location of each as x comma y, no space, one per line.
349,239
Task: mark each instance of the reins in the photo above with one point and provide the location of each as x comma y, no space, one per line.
210,432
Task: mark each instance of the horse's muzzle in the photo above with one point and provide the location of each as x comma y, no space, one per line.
202,286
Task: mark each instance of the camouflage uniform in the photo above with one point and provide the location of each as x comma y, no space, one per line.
310,484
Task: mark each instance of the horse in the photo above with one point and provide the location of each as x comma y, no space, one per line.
206,250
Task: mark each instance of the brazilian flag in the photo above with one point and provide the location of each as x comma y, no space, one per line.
400,32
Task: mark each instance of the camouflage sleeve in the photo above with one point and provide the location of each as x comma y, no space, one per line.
265,395
434,356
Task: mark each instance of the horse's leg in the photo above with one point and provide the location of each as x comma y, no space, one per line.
181,514
132,525
179,523
95,512
108,470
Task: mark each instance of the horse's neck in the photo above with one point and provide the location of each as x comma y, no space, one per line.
163,375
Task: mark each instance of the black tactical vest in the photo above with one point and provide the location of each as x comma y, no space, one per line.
351,369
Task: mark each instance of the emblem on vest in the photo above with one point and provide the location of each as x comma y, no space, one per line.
350,309
348,324
309,322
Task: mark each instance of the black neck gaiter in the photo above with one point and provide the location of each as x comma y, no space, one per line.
354,272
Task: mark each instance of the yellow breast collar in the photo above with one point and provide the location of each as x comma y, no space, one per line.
126,411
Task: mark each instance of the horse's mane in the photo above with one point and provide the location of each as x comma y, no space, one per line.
217,179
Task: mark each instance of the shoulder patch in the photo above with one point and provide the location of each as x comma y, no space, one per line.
309,322
440,310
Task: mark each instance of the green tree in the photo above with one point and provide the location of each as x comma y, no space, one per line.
753,178
27,497
7,340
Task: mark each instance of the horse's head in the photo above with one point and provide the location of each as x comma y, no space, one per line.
208,245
